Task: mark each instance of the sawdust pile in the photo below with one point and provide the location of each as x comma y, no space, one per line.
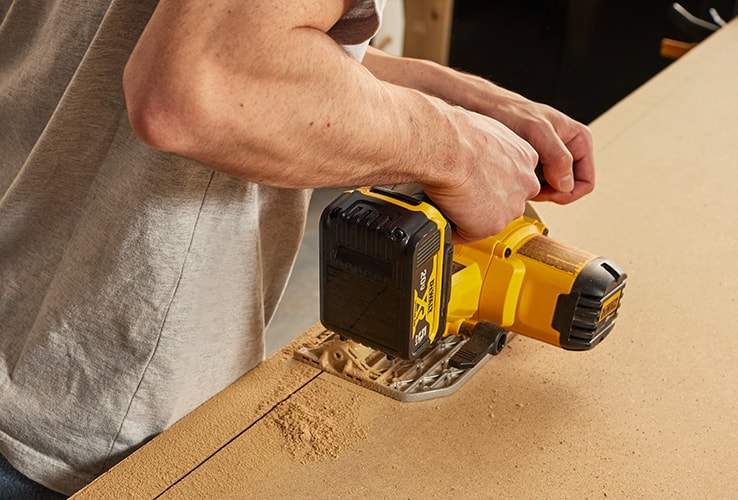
315,431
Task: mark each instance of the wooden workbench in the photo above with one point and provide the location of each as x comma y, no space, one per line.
650,413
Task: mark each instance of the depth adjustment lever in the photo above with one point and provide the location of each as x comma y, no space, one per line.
484,338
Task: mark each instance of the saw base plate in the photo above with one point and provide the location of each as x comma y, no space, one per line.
427,377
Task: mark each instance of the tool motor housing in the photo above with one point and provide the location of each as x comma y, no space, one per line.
385,270
531,284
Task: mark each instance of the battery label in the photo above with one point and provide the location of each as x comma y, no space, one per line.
557,255
424,302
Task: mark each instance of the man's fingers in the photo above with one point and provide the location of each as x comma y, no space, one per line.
558,169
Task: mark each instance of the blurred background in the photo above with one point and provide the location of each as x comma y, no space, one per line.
580,56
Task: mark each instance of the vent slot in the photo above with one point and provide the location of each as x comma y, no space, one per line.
428,247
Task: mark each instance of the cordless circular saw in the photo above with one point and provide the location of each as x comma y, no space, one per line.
391,279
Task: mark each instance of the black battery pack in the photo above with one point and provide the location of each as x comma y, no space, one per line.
385,264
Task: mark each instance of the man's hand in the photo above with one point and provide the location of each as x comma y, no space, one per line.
496,179
564,146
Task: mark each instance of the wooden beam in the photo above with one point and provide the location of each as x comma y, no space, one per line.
428,29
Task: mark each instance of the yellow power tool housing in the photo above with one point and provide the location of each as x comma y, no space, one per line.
391,279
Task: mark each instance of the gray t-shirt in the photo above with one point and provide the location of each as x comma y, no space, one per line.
134,284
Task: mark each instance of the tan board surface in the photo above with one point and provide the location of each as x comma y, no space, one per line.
650,413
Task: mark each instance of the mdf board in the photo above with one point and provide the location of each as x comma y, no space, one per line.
650,413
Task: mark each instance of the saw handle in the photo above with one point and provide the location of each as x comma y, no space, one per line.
539,174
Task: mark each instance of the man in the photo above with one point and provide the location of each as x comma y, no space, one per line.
155,171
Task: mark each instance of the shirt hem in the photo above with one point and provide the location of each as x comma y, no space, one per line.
52,473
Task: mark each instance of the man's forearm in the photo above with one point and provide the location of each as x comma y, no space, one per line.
455,87
232,106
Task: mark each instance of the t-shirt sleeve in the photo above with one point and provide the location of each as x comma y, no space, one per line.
359,24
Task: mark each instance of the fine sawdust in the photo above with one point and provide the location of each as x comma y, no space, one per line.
314,431
282,375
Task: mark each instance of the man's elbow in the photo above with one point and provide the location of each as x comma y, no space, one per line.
158,114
